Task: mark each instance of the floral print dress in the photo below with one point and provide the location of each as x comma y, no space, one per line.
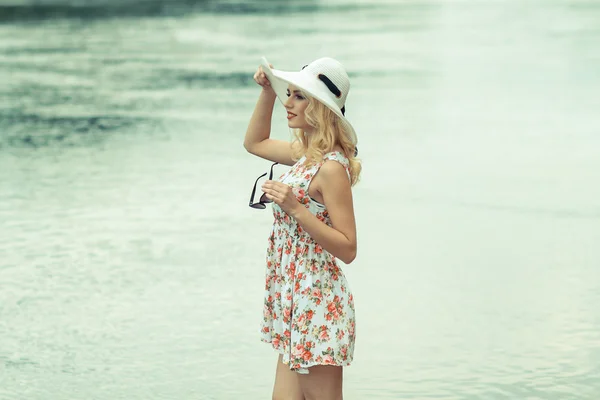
308,306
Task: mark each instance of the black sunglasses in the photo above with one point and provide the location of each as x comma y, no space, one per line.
262,203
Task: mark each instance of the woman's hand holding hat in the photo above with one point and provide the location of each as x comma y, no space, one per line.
261,78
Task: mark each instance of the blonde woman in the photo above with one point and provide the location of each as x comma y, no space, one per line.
308,306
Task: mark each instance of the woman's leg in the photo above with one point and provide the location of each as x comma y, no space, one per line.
323,382
286,386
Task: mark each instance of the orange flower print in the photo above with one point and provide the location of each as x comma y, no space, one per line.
323,333
307,355
301,319
344,351
316,295
331,307
314,267
318,248
334,309
288,246
298,351
291,270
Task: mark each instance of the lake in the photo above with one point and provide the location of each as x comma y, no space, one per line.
131,266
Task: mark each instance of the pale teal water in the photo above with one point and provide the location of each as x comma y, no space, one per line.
132,268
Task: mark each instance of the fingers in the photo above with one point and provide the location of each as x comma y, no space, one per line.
269,190
275,189
261,78
278,191
274,185
282,195
272,195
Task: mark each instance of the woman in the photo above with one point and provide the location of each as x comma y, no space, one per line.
309,309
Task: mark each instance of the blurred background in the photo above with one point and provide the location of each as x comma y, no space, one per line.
131,266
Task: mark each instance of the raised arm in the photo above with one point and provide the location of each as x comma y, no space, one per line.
257,140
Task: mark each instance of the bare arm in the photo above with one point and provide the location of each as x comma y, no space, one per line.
257,140
338,239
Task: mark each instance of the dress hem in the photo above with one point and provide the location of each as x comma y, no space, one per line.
305,366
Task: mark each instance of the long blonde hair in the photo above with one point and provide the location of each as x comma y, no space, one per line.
328,131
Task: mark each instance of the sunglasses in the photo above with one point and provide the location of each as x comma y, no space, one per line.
262,202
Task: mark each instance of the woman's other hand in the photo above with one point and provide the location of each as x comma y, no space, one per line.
283,196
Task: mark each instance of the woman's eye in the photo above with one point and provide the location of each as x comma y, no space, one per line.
299,97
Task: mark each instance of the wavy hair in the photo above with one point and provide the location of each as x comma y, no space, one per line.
328,132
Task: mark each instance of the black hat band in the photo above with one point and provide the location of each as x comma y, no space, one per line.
332,88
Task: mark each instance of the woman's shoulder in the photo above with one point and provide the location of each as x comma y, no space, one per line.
339,167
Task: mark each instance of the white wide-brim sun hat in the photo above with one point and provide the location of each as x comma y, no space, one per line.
324,79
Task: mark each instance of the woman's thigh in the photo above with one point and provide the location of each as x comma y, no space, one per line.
287,386
323,382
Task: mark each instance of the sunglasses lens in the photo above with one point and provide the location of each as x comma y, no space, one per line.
264,199
259,206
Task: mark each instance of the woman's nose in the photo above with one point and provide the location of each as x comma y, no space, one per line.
288,102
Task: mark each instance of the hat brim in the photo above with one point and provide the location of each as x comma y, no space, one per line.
281,79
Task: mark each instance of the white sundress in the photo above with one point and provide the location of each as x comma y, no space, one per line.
308,306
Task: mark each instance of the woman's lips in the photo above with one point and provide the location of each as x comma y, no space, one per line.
290,115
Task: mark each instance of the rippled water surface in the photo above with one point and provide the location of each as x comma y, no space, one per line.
132,268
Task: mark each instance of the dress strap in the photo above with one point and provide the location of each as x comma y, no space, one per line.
339,157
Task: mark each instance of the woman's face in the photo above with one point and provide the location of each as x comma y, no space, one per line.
295,105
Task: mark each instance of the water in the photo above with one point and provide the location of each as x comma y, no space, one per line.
132,267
